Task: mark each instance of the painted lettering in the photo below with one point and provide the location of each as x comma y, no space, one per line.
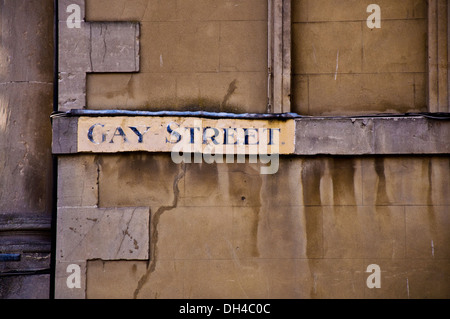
173,133
227,135
248,134
91,134
213,137
192,131
119,132
139,134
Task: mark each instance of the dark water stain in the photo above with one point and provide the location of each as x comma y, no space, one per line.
245,182
343,176
381,197
312,173
231,89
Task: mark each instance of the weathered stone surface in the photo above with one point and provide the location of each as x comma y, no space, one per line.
26,53
343,136
35,284
195,55
65,132
418,181
427,232
377,135
311,229
224,279
348,68
421,136
91,233
114,47
93,47
78,181
152,180
25,287
364,232
72,90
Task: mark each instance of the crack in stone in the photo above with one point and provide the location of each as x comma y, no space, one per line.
153,235
125,232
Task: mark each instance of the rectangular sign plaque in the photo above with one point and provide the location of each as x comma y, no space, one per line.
188,134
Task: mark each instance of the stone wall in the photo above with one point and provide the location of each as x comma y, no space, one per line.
225,231
140,226
195,55
137,225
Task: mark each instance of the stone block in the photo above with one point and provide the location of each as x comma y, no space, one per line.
403,47
114,47
353,94
180,46
65,132
335,181
200,233
235,92
243,46
428,279
145,180
285,188
427,235
77,181
75,48
230,278
341,54
286,233
421,136
92,233
155,91
232,184
364,232
72,91
350,136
